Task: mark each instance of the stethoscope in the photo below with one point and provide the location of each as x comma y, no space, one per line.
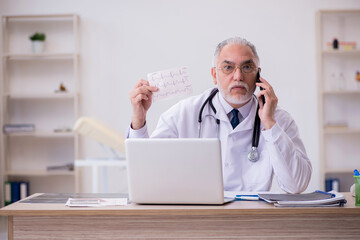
253,155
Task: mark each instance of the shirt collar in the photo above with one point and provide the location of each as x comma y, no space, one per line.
244,110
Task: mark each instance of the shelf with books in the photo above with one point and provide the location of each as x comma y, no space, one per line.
59,134
339,170
39,56
338,52
60,95
37,173
338,58
341,130
341,92
40,88
41,17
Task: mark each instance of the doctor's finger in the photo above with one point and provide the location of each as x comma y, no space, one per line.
259,94
268,89
142,82
145,90
270,99
271,96
141,97
263,80
263,83
145,83
140,90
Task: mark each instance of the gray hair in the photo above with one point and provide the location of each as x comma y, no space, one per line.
235,40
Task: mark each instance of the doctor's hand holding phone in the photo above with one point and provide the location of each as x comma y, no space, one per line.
267,101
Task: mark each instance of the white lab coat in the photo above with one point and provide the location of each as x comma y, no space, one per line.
281,150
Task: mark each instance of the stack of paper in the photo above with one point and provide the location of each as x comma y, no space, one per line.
314,199
96,202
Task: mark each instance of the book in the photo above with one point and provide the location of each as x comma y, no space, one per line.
7,193
332,184
24,190
15,191
314,199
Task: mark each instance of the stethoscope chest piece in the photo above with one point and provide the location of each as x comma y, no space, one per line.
253,155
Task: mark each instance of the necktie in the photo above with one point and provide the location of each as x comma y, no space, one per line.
235,119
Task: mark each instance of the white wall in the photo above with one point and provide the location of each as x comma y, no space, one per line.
121,41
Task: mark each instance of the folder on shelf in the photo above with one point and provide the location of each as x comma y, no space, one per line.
15,128
332,184
15,191
7,193
24,189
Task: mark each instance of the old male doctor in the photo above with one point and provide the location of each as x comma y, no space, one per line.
281,151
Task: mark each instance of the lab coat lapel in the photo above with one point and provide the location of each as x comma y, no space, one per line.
220,113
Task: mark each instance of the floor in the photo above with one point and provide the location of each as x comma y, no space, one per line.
3,228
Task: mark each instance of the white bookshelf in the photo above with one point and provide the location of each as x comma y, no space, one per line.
42,134
44,96
40,56
338,96
30,94
341,92
340,52
38,173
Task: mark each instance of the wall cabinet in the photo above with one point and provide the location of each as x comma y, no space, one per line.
40,89
338,44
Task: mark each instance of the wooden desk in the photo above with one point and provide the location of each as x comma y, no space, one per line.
236,220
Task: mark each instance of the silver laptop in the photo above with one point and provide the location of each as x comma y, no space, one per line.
175,171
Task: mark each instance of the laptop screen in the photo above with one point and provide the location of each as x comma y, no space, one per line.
175,171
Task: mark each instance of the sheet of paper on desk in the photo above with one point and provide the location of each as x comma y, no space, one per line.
171,83
233,194
95,202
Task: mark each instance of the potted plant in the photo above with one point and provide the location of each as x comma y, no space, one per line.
37,40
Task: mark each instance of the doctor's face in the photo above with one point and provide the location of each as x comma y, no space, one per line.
235,74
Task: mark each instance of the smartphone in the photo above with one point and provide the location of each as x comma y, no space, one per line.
258,80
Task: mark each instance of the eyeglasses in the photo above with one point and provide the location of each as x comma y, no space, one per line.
229,68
